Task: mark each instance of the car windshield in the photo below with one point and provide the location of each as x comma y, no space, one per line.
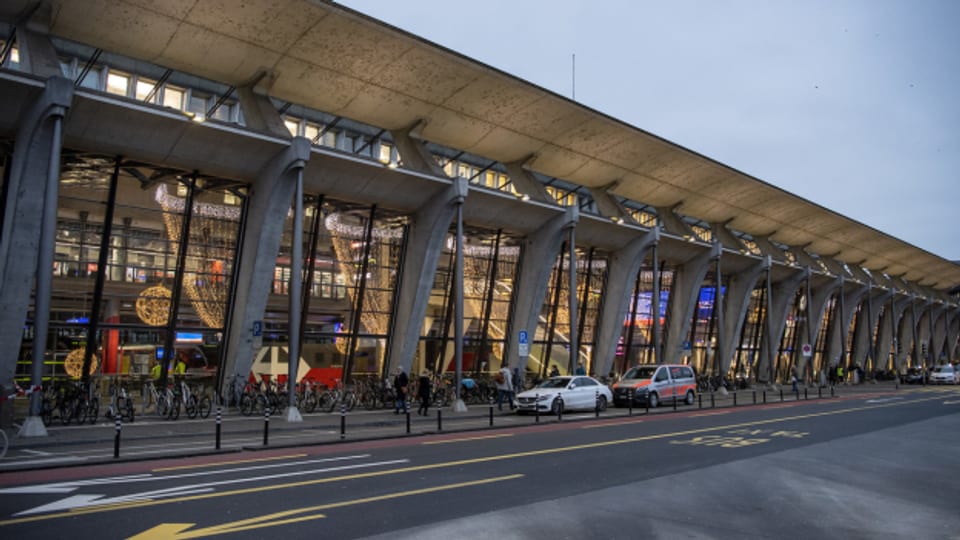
640,372
555,382
943,369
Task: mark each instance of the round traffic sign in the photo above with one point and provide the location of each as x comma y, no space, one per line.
807,350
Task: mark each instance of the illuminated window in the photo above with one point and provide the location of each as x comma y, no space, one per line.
293,126
143,88
311,131
198,103
448,168
231,199
703,233
173,97
118,83
386,153
490,179
181,190
464,171
15,56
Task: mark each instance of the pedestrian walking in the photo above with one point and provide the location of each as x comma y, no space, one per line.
424,391
400,383
504,387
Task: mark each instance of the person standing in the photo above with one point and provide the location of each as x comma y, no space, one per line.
424,391
554,372
400,384
580,369
504,387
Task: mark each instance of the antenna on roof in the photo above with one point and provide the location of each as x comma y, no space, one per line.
574,77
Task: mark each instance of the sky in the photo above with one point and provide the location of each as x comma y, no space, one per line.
851,104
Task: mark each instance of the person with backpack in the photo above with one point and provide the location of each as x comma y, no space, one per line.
504,386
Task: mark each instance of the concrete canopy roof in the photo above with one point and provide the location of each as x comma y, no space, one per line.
336,60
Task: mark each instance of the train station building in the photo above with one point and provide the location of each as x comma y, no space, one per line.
292,188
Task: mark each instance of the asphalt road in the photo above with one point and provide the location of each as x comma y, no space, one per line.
876,467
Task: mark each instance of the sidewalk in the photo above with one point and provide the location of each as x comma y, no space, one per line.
247,433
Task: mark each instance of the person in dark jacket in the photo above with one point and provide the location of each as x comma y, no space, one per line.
424,390
400,382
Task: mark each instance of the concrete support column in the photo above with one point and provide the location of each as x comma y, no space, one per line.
413,154
782,296
428,230
939,334
889,323
922,341
35,165
865,329
270,197
621,275
526,184
684,294
540,251
840,326
907,336
735,308
811,327
953,333
258,112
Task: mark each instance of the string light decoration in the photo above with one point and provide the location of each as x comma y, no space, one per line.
348,247
73,364
153,305
209,252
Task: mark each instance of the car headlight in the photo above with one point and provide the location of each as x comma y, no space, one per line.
641,391
543,397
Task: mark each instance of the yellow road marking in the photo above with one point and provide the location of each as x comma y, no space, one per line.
447,441
709,414
609,424
219,463
443,465
177,531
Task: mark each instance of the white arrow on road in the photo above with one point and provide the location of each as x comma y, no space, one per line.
80,501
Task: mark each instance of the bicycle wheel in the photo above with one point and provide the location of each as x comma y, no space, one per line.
190,407
329,401
93,410
46,411
174,411
205,406
247,404
310,402
127,410
163,408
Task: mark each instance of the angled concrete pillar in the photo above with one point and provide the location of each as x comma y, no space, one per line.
737,300
906,336
607,205
413,153
839,329
940,335
889,323
922,342
270,197
36,157
37,55
684,294
525,183
866,329
782,295
427,232
258,112
540,250
811,328
621,275
953,334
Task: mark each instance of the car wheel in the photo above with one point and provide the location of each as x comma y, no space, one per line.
653,400
557,406
690,397
602,403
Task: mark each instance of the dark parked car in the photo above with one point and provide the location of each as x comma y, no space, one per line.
914,376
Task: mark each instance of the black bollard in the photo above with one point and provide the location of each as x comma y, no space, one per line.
491,416
674,400
734,399
831,391
819,392
560,408
805,397
266,425
781,394
536,409
218,427
754,397
116,438
699,401
596,403
630,396
764,397
407,414
713,402
343,420
439,419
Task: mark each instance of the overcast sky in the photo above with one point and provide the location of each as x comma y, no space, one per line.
851,104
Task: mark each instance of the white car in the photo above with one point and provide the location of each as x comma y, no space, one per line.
944,374
575,392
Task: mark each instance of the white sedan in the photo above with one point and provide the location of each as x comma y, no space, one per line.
576,392
943,375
